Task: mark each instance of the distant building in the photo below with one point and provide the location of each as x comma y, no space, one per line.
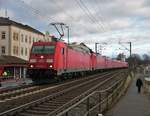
16,39
121,57
12,67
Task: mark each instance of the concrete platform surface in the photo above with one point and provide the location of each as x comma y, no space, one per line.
132,104
14,83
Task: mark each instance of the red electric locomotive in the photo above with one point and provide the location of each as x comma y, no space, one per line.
49,60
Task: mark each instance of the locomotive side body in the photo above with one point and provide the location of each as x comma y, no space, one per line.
78,60
100,62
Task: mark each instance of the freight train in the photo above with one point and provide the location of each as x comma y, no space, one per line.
58,60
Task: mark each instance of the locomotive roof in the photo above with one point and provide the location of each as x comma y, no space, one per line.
80,47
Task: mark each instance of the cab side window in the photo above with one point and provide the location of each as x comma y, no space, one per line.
62,51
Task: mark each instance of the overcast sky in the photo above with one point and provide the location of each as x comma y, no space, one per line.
90,21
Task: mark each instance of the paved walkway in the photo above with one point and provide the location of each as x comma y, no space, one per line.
132,104
8,84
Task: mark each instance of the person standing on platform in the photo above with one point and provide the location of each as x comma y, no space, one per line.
139,84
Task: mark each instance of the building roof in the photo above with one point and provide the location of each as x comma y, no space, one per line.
6,21
12,61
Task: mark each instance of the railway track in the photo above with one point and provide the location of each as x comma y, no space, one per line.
28,96
18,92
60,95
24,90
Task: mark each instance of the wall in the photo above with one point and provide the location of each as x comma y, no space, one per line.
4,42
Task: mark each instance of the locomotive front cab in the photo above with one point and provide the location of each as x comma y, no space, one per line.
42,55
41,62
47,60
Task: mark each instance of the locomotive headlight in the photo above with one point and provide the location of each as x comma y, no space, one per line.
32,60
49,60
31,66
41,57
50,66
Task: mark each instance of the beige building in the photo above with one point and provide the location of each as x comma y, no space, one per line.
16,39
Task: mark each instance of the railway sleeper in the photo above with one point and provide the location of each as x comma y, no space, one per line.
28,114
54,103
36,112
67,98
44,106
57,101
41,109
54,106
48,106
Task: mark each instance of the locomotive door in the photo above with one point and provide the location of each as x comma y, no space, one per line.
63,58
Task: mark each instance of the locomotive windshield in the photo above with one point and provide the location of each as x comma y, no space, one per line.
43,49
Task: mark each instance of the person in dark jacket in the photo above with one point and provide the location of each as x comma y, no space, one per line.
139,84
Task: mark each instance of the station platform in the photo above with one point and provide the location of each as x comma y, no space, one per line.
132,103
13,83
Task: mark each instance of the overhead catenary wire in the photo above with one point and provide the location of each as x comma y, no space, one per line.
62,9
67,13
89,14
36,11
100,15
94,17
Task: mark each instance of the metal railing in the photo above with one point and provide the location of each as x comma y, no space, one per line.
96,102
147,85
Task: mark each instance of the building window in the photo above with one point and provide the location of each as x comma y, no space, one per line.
17,37
26,51
3,35
30,39
26,38
33,40
22,39
15,50
21,50
3,49
14,36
